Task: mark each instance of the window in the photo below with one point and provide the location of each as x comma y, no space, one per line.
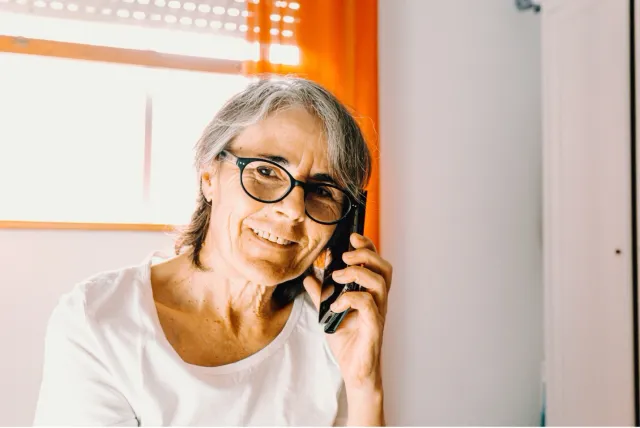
74,136
105,142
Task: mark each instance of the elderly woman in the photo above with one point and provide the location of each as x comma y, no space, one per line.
227,332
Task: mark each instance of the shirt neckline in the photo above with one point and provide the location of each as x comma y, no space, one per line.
244,364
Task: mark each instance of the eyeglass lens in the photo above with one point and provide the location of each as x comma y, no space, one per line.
267,182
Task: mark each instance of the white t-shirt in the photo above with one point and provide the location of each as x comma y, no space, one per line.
107,362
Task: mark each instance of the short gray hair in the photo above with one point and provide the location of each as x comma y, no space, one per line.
347,151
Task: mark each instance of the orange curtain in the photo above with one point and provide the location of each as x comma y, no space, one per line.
337,40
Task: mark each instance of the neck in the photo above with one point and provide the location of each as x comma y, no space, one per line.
214,291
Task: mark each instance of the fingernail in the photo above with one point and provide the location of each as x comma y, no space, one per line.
335,307
338,274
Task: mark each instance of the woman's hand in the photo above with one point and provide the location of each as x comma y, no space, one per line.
357,342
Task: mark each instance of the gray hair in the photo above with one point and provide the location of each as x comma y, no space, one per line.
347,151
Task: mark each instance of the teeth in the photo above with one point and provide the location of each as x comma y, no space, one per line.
269,237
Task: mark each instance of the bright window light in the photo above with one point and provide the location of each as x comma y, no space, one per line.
70,149
73,150
75,135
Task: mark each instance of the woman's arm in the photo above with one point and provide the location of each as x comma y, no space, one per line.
77,387
357,344
366,405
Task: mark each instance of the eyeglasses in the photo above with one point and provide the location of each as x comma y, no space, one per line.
268,182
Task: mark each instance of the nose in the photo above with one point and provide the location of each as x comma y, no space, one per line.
293,205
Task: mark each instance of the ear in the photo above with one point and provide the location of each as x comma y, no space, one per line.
207,174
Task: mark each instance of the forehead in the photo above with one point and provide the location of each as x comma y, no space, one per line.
293,134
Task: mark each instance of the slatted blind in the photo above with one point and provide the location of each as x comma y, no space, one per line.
205,28
226,17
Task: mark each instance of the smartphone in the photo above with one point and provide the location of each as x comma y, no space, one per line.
338,245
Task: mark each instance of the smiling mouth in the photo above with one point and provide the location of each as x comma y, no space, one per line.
272,238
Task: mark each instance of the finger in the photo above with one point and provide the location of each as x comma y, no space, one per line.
363,303
313,287
372,261
359,241
373,282
349,322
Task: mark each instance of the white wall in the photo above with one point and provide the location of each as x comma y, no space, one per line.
588,285
460,131
36,267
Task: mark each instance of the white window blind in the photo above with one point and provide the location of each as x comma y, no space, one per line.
204,28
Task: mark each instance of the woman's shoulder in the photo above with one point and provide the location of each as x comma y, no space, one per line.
106,290
110,297
92,344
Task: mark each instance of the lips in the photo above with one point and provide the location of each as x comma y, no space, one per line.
272,237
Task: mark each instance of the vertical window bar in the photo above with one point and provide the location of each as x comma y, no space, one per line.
148,126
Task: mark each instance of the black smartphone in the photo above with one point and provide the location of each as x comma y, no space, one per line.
339,244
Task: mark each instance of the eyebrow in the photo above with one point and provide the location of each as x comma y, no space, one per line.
285,162
277,159
324,177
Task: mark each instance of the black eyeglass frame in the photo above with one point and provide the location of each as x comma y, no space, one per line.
242,163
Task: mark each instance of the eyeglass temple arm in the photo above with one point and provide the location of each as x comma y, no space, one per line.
228,157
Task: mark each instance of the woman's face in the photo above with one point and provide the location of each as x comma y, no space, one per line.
296,138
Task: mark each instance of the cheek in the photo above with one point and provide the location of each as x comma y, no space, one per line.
319,236
231,215
230,207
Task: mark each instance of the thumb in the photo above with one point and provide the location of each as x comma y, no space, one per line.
316,290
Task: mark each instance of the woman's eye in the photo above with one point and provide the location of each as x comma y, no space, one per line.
325,193
266,171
